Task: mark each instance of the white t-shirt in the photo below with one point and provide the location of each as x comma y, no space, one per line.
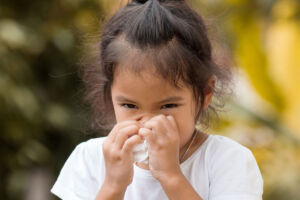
220,169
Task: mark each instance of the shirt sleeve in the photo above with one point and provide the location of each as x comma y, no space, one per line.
78,177
235,175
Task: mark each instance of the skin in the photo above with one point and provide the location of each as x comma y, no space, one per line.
140,111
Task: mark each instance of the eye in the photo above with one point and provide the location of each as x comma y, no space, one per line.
168,106
128,105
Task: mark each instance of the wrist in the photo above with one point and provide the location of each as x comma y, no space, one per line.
114,186
111,191
172,182
171,179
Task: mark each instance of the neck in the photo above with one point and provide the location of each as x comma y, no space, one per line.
186,148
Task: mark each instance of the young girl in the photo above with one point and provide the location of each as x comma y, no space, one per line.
152,84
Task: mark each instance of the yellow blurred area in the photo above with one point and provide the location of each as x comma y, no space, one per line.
283,51
42,41
264,38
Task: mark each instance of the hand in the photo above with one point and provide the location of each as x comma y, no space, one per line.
118,156
163,140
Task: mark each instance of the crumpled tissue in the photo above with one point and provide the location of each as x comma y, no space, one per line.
140,153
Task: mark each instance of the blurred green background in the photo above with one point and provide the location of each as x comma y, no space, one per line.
42,116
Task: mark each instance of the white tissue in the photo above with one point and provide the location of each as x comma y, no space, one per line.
140,153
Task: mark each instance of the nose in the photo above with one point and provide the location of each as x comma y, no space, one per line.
144,118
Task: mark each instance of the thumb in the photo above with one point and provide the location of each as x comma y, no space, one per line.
147,134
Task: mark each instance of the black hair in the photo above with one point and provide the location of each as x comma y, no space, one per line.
167,33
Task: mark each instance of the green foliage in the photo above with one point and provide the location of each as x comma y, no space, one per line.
42,117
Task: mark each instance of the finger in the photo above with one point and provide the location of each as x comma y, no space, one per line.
125,133
159,125
156,128
147,134
167,124
114,132
164,120
130,143
172,122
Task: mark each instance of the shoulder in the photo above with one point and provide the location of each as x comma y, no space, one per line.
220,142
88,150
233,170
219,147
223,150
82,173
89,153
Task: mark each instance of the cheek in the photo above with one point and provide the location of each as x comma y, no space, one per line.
185,125
185,133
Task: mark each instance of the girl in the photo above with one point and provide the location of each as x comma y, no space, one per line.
153,82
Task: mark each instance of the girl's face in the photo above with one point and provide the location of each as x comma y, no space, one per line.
143,96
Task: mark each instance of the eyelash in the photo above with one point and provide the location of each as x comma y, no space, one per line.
133,106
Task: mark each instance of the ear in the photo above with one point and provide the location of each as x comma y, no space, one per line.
209,91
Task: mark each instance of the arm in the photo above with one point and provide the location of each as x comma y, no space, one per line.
164,165
118,157
178,188
109,192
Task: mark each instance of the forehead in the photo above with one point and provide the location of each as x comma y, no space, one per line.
163,61
145,83
147,78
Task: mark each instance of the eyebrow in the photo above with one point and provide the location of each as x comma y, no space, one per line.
172,98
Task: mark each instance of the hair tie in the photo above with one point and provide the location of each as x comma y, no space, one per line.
144,1
140,1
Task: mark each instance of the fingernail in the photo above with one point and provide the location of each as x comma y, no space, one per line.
143,130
